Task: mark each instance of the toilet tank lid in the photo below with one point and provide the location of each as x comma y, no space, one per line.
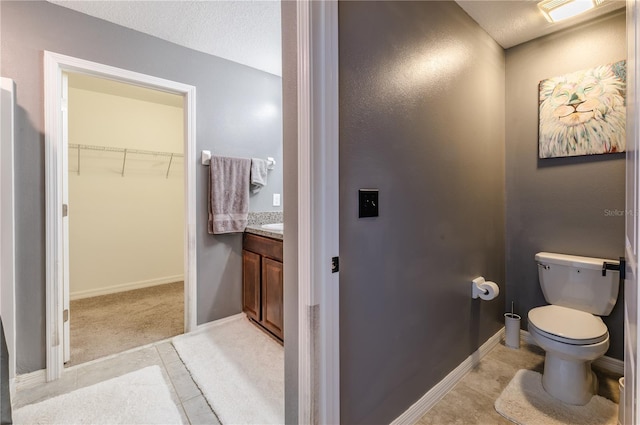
573,260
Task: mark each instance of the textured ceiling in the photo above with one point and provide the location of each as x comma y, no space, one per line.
512,22
247,32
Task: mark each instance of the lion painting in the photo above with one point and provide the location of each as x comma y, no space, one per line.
583,113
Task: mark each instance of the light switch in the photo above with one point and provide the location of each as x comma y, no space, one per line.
276,199
368,203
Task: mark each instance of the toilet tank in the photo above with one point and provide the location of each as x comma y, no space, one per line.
577,282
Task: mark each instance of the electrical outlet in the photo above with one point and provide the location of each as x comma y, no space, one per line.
368,203
276,199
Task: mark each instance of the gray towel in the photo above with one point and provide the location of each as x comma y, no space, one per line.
258,174
228,194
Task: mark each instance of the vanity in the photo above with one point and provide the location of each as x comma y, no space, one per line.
262,279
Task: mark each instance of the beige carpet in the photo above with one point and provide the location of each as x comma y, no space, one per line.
524,401
113,323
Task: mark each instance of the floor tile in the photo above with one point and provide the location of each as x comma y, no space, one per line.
199,412
183,414
490,377
168,353
182,381
608,385
174,395
92,373
67,383
472,400
461,406
526,357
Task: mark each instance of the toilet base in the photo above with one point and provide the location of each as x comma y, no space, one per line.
570,381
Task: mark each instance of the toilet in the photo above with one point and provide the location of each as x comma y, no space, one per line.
570,330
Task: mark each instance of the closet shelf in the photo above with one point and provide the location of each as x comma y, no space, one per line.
125,152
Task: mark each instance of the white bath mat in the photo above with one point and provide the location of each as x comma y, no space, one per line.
239,369
524,401
140,397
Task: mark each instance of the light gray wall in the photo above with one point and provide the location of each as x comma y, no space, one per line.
558,205
228,94
422,120
290,141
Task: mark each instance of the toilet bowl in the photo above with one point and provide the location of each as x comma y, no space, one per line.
579,290
571,339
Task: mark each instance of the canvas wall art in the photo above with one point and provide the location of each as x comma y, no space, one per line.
583,113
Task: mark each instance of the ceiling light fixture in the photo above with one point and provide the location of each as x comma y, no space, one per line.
557,10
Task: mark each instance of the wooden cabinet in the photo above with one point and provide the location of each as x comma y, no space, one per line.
251,284
262,283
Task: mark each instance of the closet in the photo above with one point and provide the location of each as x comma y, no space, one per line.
125,165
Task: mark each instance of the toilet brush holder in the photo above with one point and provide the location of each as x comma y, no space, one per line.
512,330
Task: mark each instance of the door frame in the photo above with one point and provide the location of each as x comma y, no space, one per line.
54,65
318,212
632,279
7,220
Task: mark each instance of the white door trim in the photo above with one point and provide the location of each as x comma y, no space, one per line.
631,413
7,217
54,65
318,213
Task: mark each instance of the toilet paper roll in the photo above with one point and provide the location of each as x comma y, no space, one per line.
490,290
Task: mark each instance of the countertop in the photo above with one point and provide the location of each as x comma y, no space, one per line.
257,229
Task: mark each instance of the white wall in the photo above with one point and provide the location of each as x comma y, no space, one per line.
125,232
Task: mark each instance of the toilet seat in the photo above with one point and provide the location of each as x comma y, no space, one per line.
567,325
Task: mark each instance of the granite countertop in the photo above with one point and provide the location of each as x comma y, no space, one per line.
257,229
257,219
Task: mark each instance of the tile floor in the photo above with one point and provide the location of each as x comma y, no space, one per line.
192,405
471,400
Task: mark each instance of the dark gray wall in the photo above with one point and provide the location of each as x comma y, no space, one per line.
290,141
559,205
227,93
422,120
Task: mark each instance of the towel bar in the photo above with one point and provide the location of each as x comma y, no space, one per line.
206,160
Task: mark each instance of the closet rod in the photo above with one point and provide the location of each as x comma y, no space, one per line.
121,150
126,152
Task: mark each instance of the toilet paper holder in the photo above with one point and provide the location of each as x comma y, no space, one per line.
479,289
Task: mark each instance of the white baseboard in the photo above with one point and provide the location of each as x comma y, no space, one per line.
606,363
205,326
610,364
435,394
124,287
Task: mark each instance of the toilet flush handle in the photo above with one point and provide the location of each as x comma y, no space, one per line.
620,267
609,266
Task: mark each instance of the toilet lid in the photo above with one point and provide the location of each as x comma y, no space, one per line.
568,325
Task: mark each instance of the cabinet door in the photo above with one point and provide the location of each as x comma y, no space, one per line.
272,296
251,284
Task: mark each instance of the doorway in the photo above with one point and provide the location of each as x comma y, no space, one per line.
123,186
57,69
